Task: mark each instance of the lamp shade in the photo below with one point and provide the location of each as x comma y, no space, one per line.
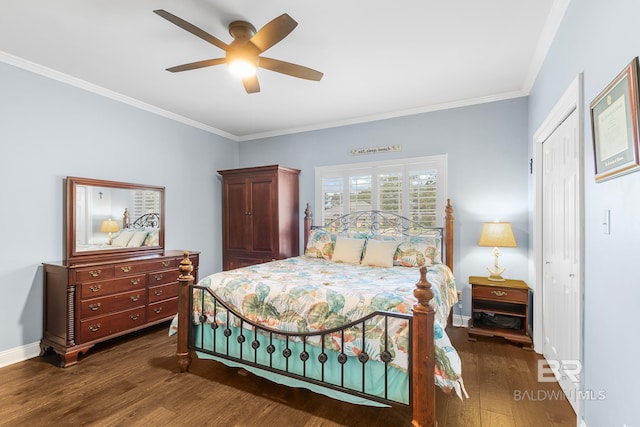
109,226
497,234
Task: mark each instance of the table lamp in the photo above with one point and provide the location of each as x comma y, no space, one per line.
497,234
109,226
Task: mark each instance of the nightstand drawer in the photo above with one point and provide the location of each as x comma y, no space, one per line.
499,293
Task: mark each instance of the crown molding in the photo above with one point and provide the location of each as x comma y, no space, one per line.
99,90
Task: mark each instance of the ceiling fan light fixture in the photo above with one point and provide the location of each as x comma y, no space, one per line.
242,68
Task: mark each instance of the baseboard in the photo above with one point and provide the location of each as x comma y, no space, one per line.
18,354
460,321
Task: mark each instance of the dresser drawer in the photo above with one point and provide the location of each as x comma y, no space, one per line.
112,303
102,326
163,309
159,293
498,293
106,287
163,277
98,272
144,266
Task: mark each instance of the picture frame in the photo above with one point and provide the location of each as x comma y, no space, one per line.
614,125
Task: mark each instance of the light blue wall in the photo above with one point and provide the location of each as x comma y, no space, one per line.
599,38
487,167
49,130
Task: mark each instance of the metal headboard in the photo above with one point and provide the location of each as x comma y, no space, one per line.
147,220
381,223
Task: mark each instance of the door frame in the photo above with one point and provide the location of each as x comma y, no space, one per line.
571,100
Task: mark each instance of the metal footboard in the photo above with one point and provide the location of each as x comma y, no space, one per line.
302,356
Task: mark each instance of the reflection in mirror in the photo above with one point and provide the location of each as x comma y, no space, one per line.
116,218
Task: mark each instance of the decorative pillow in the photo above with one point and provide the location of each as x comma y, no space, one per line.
137,239
153,238
320,244
380,253
348,250
418,251
123,238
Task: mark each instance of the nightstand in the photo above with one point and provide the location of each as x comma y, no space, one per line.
500,309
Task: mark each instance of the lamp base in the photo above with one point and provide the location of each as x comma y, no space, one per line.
496,278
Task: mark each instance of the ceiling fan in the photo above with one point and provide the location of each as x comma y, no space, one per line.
243,53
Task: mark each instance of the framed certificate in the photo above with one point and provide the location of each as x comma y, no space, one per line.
614,124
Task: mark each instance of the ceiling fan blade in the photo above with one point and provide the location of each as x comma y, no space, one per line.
251,84
198,64
289,68
192,29
274,31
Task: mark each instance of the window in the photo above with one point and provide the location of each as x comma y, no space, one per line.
414,188
144,202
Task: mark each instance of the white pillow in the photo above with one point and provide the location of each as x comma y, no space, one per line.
348,250
380,253
137,239
122,239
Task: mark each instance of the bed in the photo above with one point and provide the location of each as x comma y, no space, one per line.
346,319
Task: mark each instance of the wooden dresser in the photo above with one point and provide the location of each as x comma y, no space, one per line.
260,214
89,302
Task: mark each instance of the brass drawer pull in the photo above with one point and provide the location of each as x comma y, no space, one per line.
95,288
158,292
94,328
134,316
166,263
157,310
95,273
95,306
499,293
158,277
125,268
135,298
135,281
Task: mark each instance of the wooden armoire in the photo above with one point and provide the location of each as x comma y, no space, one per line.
260,215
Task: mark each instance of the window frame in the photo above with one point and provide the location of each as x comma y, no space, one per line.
437,162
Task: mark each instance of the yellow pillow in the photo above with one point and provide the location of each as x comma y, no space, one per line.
380,253
348,250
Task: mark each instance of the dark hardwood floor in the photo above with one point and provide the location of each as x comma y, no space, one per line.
134,381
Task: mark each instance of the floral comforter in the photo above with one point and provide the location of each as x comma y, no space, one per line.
304,294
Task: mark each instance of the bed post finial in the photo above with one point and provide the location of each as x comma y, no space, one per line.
423,354
308,222
185,279
186,267
423,292
307,212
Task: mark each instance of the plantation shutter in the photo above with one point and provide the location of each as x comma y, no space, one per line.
414,188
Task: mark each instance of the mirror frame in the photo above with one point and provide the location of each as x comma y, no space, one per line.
72,255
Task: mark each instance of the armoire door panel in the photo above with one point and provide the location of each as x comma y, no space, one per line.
236,216
263,212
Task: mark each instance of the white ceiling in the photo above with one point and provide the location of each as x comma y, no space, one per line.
379,59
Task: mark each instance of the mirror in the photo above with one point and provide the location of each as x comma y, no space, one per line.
109,218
